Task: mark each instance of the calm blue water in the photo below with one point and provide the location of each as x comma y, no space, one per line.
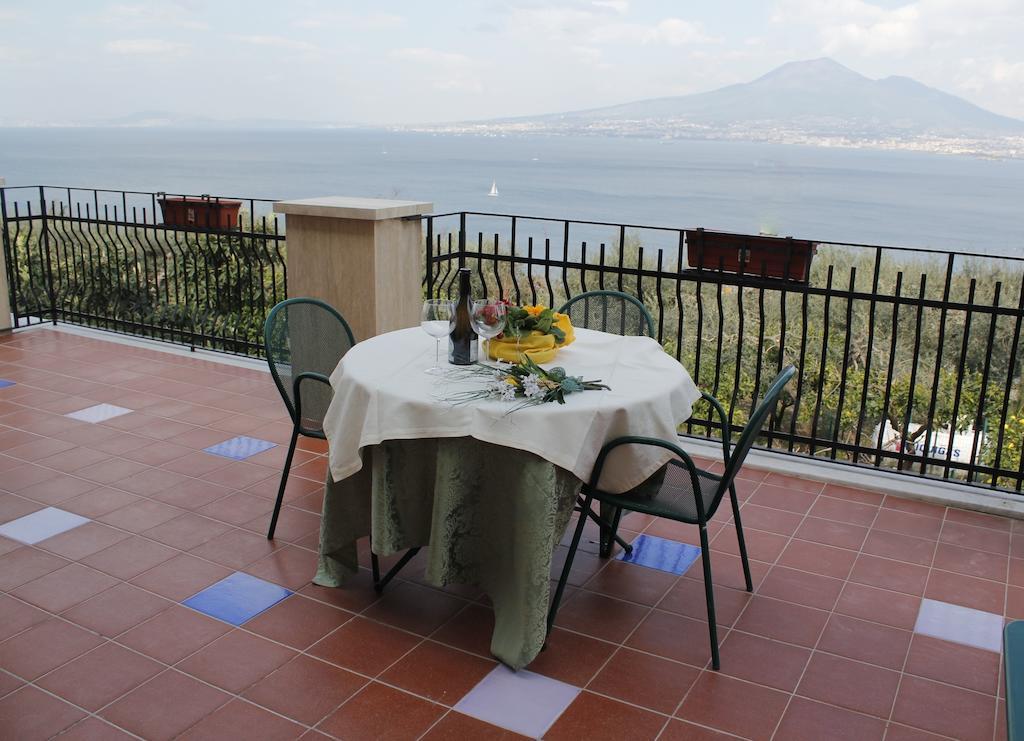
897,198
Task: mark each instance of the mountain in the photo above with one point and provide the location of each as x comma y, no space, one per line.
819,97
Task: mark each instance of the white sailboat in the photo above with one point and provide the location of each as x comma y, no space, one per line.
494,189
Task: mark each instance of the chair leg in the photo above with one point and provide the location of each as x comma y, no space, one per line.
739,538
284,481
709,594
557,599
611,536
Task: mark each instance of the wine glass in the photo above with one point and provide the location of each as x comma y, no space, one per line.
436,320
488,317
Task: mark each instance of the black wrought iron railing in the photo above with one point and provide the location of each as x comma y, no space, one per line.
196,270
909,359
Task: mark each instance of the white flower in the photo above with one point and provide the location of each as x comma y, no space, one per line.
508,393
531,386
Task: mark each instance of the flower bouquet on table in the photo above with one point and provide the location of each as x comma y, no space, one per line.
525,382
531,332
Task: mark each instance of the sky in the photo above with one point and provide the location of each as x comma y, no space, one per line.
411,61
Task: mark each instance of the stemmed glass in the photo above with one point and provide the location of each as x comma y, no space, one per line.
488,316
436,320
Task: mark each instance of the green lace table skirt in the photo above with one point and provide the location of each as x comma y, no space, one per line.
491,516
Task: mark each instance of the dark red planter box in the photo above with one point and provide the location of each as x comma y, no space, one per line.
200,213
772,257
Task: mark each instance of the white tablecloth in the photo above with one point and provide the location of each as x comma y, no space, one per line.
381,393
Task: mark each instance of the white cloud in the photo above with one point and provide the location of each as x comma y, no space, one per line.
277,42
145,47
591,26
445,70
619,6
352,21
172,15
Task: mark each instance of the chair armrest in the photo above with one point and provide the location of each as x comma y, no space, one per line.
723,419
687,461
297,389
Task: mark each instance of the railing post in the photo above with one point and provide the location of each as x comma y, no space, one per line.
6,323
361,255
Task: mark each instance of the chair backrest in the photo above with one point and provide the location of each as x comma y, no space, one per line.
303,335
754,425
609,311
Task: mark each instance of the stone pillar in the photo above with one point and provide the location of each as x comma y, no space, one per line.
5,289
361,255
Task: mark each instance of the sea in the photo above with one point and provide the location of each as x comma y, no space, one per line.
912,199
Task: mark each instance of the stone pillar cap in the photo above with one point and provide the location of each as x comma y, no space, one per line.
345,207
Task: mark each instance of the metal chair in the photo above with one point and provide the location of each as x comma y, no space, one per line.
305,339
609,311
688,495
617,313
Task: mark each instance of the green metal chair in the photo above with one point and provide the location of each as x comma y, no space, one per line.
688,494
609,311
1013,674
305,339
617,313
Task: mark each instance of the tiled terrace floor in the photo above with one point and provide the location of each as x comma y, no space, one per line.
95,642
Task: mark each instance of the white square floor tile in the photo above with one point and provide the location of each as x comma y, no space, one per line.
960,625
522,701
41,525
98,413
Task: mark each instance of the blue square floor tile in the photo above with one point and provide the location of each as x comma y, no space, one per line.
4,383
241,447
662,554
237,598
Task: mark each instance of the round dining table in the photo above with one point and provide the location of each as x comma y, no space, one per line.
486,486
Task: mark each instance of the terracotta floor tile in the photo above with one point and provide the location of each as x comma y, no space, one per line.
415,608
632,583
763,661
116,610
899,547
952,663
357,594
100,501
675,637
437,672
829,532
458,727
793,482
26,564
186,531
378,711
600,616
141,516
906,523
645,680
180,577
979,538
805,720
94,729
196,463
853,513
305,689
879,605
110,471
680,730
761,546
13,506
926,509
595,717
838,491
876,644
65,587
46,646
1015,603
364,646
298,621
850,684
470,630
156,454
818,558
238,508
802,588
571,657
82,541
292,524
727,571
978,519
236,660
946,710
100,676
728,704
75,459
173,634
295,488
767,519
238,475
56,490
16,615
782,621
129,557
687,598
970,562
784,498
896,576
289,566
968,591
30,713
236,548
165,706
243,720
